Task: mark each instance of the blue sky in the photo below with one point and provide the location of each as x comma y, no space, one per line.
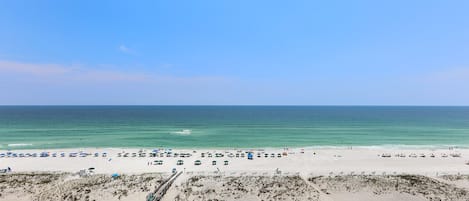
234,52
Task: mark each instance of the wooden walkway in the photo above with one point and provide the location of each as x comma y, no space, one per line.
160,191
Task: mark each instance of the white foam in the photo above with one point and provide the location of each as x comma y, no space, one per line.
390,146
182,132
19,145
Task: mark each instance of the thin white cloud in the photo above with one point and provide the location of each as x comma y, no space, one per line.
166,65
126,50
83,73
35,69
448,75
33,83
70,72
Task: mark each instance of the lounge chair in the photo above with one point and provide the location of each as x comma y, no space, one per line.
180,162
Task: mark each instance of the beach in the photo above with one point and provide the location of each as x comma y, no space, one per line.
234,101
316,171
294,160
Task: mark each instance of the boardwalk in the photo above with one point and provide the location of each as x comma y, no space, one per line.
160,191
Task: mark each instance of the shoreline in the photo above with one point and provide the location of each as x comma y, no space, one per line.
26,146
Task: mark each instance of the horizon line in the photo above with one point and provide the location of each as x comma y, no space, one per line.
237,105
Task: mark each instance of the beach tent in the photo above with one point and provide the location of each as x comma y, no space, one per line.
115,175
250,156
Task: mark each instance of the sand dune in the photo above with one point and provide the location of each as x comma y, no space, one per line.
393,187
322,188
246,188
56,186
64,186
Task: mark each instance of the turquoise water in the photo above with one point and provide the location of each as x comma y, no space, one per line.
27,127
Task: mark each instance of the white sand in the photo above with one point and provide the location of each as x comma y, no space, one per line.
249,180
323,162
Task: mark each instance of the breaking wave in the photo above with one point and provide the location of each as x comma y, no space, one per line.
19,145
182,132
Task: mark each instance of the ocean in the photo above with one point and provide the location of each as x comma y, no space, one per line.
41,127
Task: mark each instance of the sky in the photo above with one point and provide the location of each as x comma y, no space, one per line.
240,52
